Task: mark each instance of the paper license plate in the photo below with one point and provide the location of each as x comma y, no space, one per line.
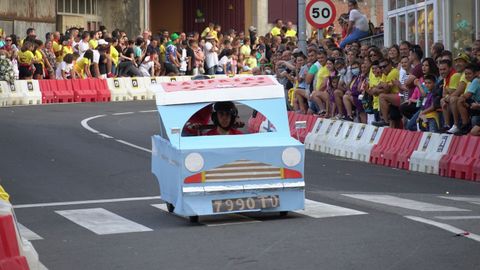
249,203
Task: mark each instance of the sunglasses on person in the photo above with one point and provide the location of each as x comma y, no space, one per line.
8,40
383,66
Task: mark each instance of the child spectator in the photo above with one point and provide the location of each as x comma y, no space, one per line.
64,70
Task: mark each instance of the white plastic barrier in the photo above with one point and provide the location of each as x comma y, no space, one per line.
370,137
431,149
335,137
310,138
30,92
15,96
4,94
321,134
25,247
149,82
348,149
338,146
117,89
322,141
136,88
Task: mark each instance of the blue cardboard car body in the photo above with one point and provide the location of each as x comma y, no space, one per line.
205,175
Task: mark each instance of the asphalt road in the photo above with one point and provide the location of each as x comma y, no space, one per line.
371,217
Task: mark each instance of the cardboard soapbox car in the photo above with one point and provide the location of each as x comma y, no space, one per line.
210,175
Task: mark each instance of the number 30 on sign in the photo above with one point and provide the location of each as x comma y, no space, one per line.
320,13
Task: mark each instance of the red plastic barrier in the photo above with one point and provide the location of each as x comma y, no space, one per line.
48,96
476,170
457,147
302,133
461,164
101,86
10,258
387,138
83,92
402,158
63,90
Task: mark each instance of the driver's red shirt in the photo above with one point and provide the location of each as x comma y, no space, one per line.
230,132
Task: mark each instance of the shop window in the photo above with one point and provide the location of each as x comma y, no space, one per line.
403,27
463,25
393,30
392,4
421,28
412,27
430,25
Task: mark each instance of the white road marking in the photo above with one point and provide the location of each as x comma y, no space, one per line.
27,233
101,221
134,146
87,127
105,136
321,210
404,203
446,227
457,217
474,200
123,113
85,123
149,111
86,202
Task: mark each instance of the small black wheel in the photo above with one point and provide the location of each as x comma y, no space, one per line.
283,213
193,219
170,207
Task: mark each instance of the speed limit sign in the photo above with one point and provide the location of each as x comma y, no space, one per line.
320,13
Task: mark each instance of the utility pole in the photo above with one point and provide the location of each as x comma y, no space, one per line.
302,26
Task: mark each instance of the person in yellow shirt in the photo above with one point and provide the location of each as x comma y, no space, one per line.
57,46
387,92
245,50
114,54
290,31
251,61
82,66
26,59
38,62
207,30
374,80
277,29
461,62
94,37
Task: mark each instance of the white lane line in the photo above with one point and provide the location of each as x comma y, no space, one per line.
216,220
475,200
101,221
105,136
404,203
149,111
123,113
134,146
322,210
27,233
86,202
446,227
85,123
457,217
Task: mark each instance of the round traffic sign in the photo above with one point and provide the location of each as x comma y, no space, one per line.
320,13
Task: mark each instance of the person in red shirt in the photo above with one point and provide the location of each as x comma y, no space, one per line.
224,115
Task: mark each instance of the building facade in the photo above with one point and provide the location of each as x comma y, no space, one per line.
455,23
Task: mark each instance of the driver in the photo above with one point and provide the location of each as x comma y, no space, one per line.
224,115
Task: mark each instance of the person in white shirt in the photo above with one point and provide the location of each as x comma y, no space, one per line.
211,56
225,63
147,68
84,45
65,68
357,24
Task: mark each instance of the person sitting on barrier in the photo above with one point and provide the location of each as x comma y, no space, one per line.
469,103
352,96
429,118
224,115
387,92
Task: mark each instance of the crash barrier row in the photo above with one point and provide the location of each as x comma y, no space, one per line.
16,253
36,92
443,154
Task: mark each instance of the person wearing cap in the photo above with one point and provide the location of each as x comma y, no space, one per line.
211,56
461,62
357,24
171,55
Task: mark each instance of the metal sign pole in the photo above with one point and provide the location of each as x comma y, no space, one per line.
302,27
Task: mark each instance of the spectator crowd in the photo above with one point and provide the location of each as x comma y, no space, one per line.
335,77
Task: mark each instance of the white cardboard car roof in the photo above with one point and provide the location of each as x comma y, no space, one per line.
212,90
